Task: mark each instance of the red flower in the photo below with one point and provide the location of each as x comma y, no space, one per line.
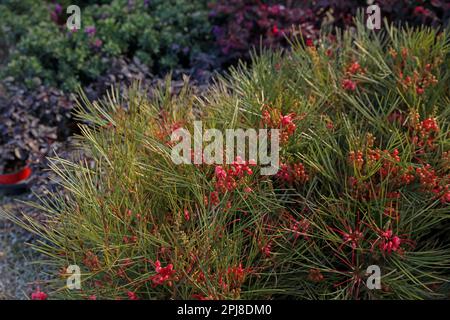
420,91
267,249
419,10
428,178
389,242
356,158
309,42
430,125
91,261
299,227
214,198
39,295
275,30
199,297
272,118
348,85
186,215
315,275
354,68
132,295
353,237
238,273
292,173
163,274
446,197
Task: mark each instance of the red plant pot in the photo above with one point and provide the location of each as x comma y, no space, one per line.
15,183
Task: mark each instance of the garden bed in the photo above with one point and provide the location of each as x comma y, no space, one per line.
368,108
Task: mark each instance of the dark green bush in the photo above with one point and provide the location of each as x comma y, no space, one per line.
162,34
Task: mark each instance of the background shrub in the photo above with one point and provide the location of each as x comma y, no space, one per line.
162,34
239,25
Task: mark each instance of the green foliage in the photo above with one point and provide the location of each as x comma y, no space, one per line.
365,182
163,34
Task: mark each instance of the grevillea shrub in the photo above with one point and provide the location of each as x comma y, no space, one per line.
363,180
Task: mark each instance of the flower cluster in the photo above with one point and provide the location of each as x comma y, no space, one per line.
424,133
229,281
348,85
274,119
315,275
91,261
132,296
387,241
163,274
417,79
351,70
292,173
431,182
383,166
299,227
356,159
233,278
229,178
166,127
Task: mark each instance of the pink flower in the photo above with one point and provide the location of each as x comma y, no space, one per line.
275,9
220,173
97,43
286,120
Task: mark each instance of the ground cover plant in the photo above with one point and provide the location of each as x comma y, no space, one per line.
363,180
